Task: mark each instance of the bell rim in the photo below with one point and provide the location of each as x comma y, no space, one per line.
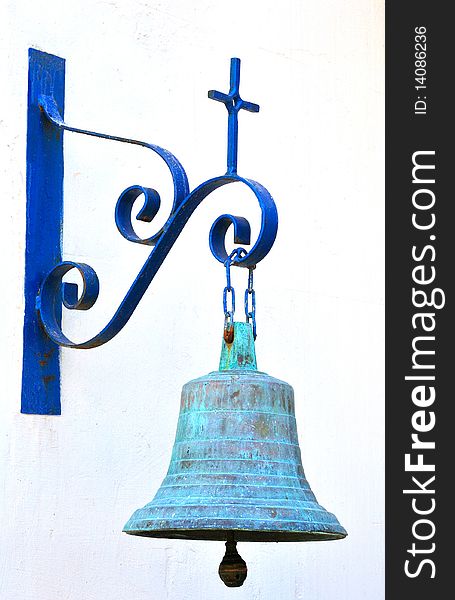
240,535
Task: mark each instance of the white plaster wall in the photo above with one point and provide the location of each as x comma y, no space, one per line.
142,69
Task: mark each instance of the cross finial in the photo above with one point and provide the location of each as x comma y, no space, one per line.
233,103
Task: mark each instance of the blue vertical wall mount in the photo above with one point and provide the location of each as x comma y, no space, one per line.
45,291
44,224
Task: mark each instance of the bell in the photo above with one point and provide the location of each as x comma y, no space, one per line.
236,473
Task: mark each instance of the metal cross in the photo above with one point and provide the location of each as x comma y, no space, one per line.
233,103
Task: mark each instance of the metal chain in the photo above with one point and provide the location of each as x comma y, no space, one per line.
229,290
250,295
250,312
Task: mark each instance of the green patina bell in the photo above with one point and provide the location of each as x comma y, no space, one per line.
236,472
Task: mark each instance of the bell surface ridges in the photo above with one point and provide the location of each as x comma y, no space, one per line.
236,466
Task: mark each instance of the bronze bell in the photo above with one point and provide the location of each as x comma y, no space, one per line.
236,472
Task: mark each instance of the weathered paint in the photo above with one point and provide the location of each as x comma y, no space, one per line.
41,369
236,463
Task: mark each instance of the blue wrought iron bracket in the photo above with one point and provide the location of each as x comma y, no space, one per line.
45,292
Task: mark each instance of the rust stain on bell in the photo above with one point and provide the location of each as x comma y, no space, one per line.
236,472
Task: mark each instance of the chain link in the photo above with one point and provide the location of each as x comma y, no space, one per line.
228,314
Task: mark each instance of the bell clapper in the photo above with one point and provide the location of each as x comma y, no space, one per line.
232,569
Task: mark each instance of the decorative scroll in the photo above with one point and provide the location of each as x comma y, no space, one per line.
53,292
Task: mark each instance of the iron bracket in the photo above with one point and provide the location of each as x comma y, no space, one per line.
45,292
